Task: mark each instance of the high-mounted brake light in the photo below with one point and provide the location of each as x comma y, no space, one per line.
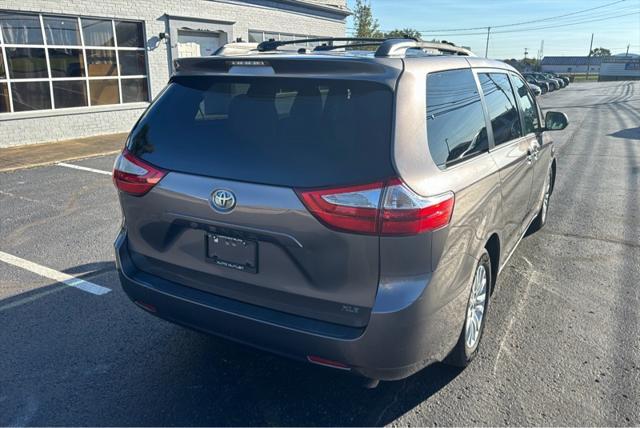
383,208
134,176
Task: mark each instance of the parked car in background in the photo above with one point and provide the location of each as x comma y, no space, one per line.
543,85
560,81
288,201
535,89
553,83
563,77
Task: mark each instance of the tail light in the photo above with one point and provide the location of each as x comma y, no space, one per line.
383,208
134,176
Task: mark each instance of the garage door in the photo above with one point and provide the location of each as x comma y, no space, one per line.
197,43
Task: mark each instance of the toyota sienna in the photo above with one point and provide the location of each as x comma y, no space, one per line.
352,209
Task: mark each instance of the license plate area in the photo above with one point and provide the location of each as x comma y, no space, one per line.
233,253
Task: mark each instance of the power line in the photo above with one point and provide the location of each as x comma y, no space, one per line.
538,20
534,28
522,22
529,29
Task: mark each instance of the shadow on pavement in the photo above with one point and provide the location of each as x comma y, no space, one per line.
627,134
73,358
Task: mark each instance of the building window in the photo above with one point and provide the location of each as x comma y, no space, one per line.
257,36
57,62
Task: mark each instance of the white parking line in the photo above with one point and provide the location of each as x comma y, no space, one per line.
83,168
55,275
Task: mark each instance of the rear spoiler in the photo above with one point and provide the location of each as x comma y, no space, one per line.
329,67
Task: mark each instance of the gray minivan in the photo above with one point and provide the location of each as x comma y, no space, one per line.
351,209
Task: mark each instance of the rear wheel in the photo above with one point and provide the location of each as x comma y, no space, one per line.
541,219
475,315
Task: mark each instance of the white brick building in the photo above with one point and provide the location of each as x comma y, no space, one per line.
78,68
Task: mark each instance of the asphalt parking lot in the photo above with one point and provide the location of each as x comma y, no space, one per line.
562,345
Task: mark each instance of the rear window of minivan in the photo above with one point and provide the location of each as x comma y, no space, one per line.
297,132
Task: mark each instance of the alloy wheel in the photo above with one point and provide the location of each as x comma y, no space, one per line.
476,308
545,200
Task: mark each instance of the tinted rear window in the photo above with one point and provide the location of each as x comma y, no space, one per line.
501,104
456,127
281,131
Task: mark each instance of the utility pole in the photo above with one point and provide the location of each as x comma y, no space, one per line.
486,49
526,52
589,58
541,54
627,54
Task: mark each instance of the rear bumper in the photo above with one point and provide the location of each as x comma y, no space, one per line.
397,342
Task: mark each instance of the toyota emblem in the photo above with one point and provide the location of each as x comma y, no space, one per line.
223,200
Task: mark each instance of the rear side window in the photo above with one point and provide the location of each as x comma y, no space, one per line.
498,95
528,105
294,132
456,127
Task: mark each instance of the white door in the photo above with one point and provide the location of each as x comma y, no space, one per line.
197,43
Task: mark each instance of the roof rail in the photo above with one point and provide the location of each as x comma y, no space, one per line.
393,47
271,45
399,48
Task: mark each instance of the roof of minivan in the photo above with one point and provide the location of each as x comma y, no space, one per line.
355,62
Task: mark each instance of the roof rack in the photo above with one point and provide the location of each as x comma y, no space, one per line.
271,45
400,47
392,47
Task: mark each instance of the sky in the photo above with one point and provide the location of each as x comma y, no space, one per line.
615,24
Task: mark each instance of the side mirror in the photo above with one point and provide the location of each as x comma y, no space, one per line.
555,121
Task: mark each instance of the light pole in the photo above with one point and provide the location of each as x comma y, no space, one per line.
589,58
486,49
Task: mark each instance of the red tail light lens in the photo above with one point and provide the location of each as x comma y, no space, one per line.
406,213
351,209
134,176
388,208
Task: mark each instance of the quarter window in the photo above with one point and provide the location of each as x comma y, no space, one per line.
498,95
528,105
456,127
56,62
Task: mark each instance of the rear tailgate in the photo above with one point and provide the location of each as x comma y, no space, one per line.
259,140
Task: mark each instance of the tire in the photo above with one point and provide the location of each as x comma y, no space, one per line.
541,219
468,343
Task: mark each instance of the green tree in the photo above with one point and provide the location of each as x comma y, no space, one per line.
366,25
600,52
410,32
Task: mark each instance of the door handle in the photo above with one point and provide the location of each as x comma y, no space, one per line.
530,155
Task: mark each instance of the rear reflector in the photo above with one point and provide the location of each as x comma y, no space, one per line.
146,306
383,208
327,363
134,176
